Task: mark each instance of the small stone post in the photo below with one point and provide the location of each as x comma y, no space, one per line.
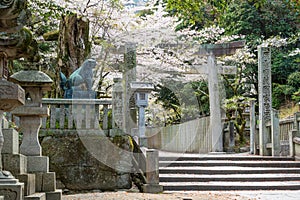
275,130
231,136
252,127
265,98
152,172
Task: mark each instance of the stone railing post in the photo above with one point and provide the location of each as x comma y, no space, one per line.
105,117
275,133
292,134
296,125
152,172
252,127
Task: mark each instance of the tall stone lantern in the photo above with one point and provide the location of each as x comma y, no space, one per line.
141,90
11,96
35,84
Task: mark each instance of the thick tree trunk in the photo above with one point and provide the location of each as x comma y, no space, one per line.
73,45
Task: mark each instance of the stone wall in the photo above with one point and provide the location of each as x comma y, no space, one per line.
79,160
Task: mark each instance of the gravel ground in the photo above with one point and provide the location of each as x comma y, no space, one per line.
165,196
201,195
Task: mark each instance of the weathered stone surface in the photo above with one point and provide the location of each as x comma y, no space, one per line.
29,183
56,195
45,182
11,144
36,196
29,111
265,98
12,191
49,182
11,95
154,189
31,78
16,164
37,164
80,167
296,141
30,126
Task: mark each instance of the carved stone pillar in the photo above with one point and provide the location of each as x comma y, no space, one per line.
265,98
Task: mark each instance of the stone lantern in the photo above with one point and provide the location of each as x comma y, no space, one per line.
141,90
11,96
35,84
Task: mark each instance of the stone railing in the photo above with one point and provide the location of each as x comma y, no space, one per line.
294,137
285,125
190,137
68,114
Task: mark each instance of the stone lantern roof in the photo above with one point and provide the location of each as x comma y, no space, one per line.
32,78
141,87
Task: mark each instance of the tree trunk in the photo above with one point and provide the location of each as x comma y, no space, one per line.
73,45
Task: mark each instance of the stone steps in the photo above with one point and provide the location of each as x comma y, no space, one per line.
215,163
227,185
223,172
223,157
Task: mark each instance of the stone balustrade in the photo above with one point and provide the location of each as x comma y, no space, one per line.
76,114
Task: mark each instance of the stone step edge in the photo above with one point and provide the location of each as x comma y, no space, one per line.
227,158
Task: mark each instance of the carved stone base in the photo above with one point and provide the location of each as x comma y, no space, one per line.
11,189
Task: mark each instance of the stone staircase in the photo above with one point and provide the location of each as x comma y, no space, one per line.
228,172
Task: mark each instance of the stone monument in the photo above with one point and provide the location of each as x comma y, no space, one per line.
265,98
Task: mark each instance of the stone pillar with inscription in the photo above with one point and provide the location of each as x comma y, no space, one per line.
265,98
117,107
129,75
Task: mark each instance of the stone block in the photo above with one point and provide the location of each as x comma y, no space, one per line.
11,144
1,197
55,195
37,164
12,191
45,182
12,99
36,196
152,188
49,182
15,163
39,182
29,181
